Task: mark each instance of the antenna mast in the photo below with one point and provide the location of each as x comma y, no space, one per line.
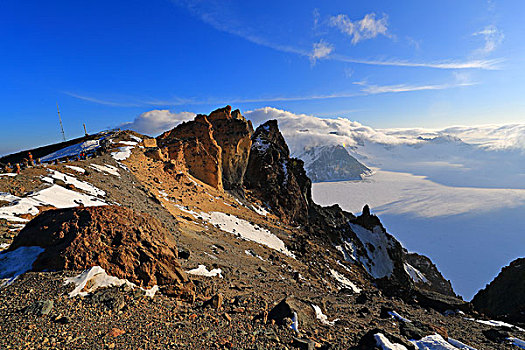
61,126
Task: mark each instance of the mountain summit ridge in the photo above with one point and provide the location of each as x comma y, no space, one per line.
252,260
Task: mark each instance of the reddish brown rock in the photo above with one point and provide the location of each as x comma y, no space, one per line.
202,154
233,134
125,243
215,148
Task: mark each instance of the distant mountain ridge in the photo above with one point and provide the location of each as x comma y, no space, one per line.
332,163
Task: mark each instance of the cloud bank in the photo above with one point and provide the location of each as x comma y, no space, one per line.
303,131
157,121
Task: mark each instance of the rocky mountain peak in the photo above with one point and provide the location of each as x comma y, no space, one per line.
275,178
332,163
215,147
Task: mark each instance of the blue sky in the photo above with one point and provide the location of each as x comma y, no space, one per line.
382,63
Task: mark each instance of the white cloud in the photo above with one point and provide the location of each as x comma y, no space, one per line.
321,50
302,131
492,64
492,36
382,89
317,15
366,28
157,121
102,101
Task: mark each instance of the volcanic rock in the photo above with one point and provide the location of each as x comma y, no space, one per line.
202,155
214,148
505,295
275,178
125,243
435,280
294,309
233,134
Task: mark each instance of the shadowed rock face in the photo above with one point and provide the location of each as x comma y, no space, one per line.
275,178
435,280
504,297
125,243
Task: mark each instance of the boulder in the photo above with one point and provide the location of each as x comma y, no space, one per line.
149,143
125,243
292,308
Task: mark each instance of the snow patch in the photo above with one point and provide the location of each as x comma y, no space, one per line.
138,139
322,317
122,153
76,168
345,281
259,210
252,253
433,342
17,262
202,270
245,230
73,150
109,169
377,262
495,323
460,345
517,342
55,196
9,174
71,180
260,144
398,317
128,143
186,210
416,275
383,343
96,277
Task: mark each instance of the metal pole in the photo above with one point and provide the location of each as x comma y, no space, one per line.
61,126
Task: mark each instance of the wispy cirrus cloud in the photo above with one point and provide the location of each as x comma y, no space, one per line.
366,28
102,101
321,50
383,89
492,36
129,101
365,89
485,64
369,26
